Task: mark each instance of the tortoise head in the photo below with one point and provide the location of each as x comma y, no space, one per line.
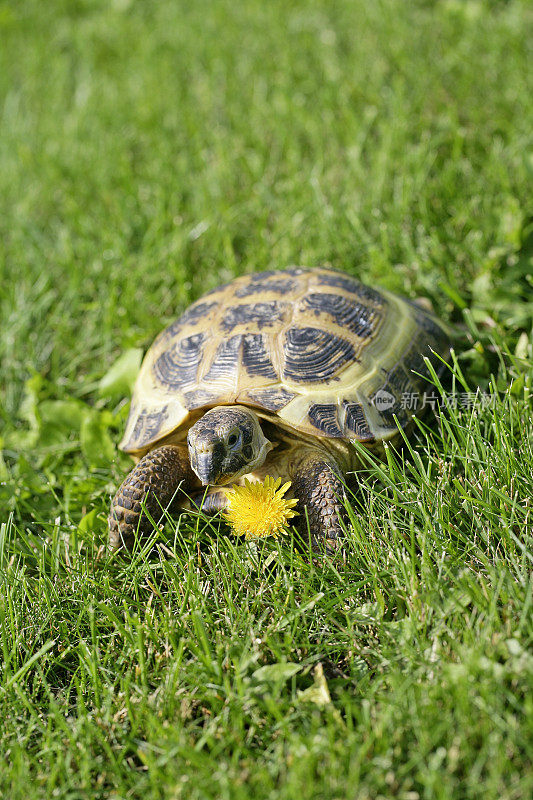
226,443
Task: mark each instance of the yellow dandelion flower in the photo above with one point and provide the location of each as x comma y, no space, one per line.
256,510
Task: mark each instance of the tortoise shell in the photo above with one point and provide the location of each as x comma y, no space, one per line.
314,348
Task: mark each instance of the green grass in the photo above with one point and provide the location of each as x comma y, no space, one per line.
149,151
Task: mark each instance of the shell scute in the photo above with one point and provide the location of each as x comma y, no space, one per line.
352,286
398,380
313,354
262,314
225,362
255,357
177,367
199,398
196,314
346,312
324,417
355,422
272,399
389,407
148,423
273,286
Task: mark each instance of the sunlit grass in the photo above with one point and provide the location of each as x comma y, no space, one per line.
149,152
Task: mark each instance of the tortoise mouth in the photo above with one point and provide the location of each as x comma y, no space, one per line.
207,464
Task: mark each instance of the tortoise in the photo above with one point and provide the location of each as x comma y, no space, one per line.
275,373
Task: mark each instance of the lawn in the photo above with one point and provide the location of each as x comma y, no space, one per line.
148,152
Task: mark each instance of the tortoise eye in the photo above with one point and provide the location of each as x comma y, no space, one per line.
232,439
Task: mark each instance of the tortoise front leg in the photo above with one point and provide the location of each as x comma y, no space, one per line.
318,486
155,480
210,502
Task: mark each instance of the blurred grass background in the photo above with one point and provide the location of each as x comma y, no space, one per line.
149,151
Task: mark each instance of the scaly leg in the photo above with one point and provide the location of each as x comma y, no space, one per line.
317,484
209,502
156,479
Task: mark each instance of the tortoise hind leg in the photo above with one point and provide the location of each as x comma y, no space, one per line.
154,481
318,486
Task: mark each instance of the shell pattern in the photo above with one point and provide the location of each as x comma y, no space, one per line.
321,351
